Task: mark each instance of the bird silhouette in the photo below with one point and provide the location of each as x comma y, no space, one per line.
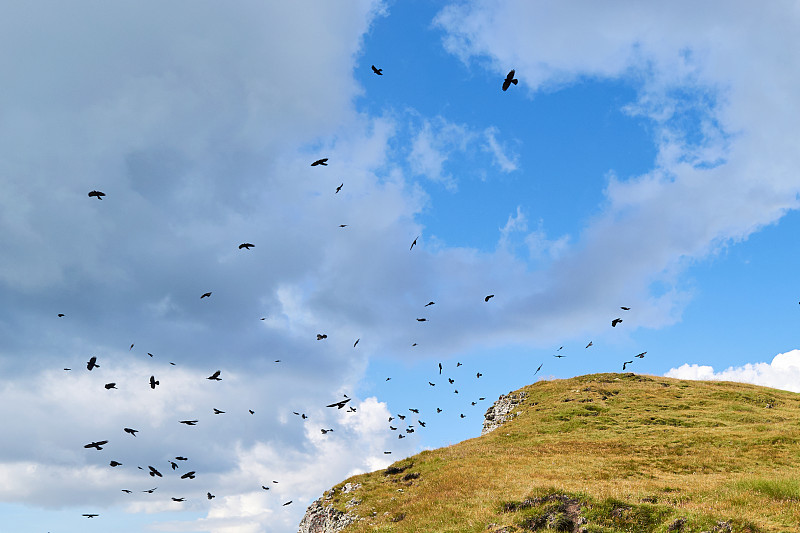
537,370
110,386
189,422
181,458
153,472
431,384
339,405
210,496
90,515
488,297
451,380
378,71
96,444
131,431
217,411
188,475
126,491
324,431
153,382
414,410
479,374
246,245
287,503
173,464
590,343
422,320
615,322
559,356
625,308
440,369
355,343
339,188
178,499
264,487
626,363
509,80
61,315
641,355
215,376
414,243
131,348
321,336
92,363
115,463
323,162
150,491
97,194
429,303
205,295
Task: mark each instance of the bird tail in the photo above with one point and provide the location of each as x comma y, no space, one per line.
514,81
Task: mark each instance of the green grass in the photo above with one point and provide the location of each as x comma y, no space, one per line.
608,453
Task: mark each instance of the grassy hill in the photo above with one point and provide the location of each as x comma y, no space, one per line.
604,453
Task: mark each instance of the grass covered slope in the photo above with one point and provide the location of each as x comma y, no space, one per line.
604,453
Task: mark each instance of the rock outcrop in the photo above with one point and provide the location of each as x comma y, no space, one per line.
501,411
322,518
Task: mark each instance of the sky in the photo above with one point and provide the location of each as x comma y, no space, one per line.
647,158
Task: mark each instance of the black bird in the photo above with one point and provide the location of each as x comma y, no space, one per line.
97,194
110,386
479,374
61,315
321,336
414,410
339,188
509,80
342,225
205,295
173,464
421,423
422,320
178,499
209,495
217,411
413,243
451,380
431,384
251,411
322,162
96,444
462,415
148,353
339,405
537,370
440,369
387,452
590,343
392,428
458,364
115,463
131,348
287,503
153,382
354,344
126,491
92,363
90,515
455,391
641,355
351,409
264,487
625,308
153,472
180,458
559,356
215,376
488,297
429,303
151,491
401,436
324,431
246,245
438,410
189,422
615,322
626,363
188,475
378,71
401,417
131,431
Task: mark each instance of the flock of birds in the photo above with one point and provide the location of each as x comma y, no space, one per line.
398,419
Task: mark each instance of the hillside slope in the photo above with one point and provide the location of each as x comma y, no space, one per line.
598,453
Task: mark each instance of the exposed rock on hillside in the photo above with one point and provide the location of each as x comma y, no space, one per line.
322,518
501,411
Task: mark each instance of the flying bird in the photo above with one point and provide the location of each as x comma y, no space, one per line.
339,188
509,80
422,320
97,194
181,458
131,431
451,380
414,243
115,463
61,315
205,295
150,491
488,297
342,225
215,376
178,499
537,370
173,464
414,410
479,374
440,368
559,356
90,515
625,308
148,353
429,303
339,405
126,491
92,363
153,472
324,431
458,364
322,162
378,71
590,343
131,348
387,452
153,382
188,475
641,355
189,422
246,245
431,384
110,386
217,411
97,444
615,322
321,336
626,363
209,495
355,343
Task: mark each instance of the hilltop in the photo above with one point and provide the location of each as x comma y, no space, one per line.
598,453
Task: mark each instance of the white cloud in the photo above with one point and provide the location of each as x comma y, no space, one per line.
783,372
507,162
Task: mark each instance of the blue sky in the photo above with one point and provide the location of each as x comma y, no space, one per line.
644,160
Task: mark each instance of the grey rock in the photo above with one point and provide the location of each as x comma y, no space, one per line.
502,411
